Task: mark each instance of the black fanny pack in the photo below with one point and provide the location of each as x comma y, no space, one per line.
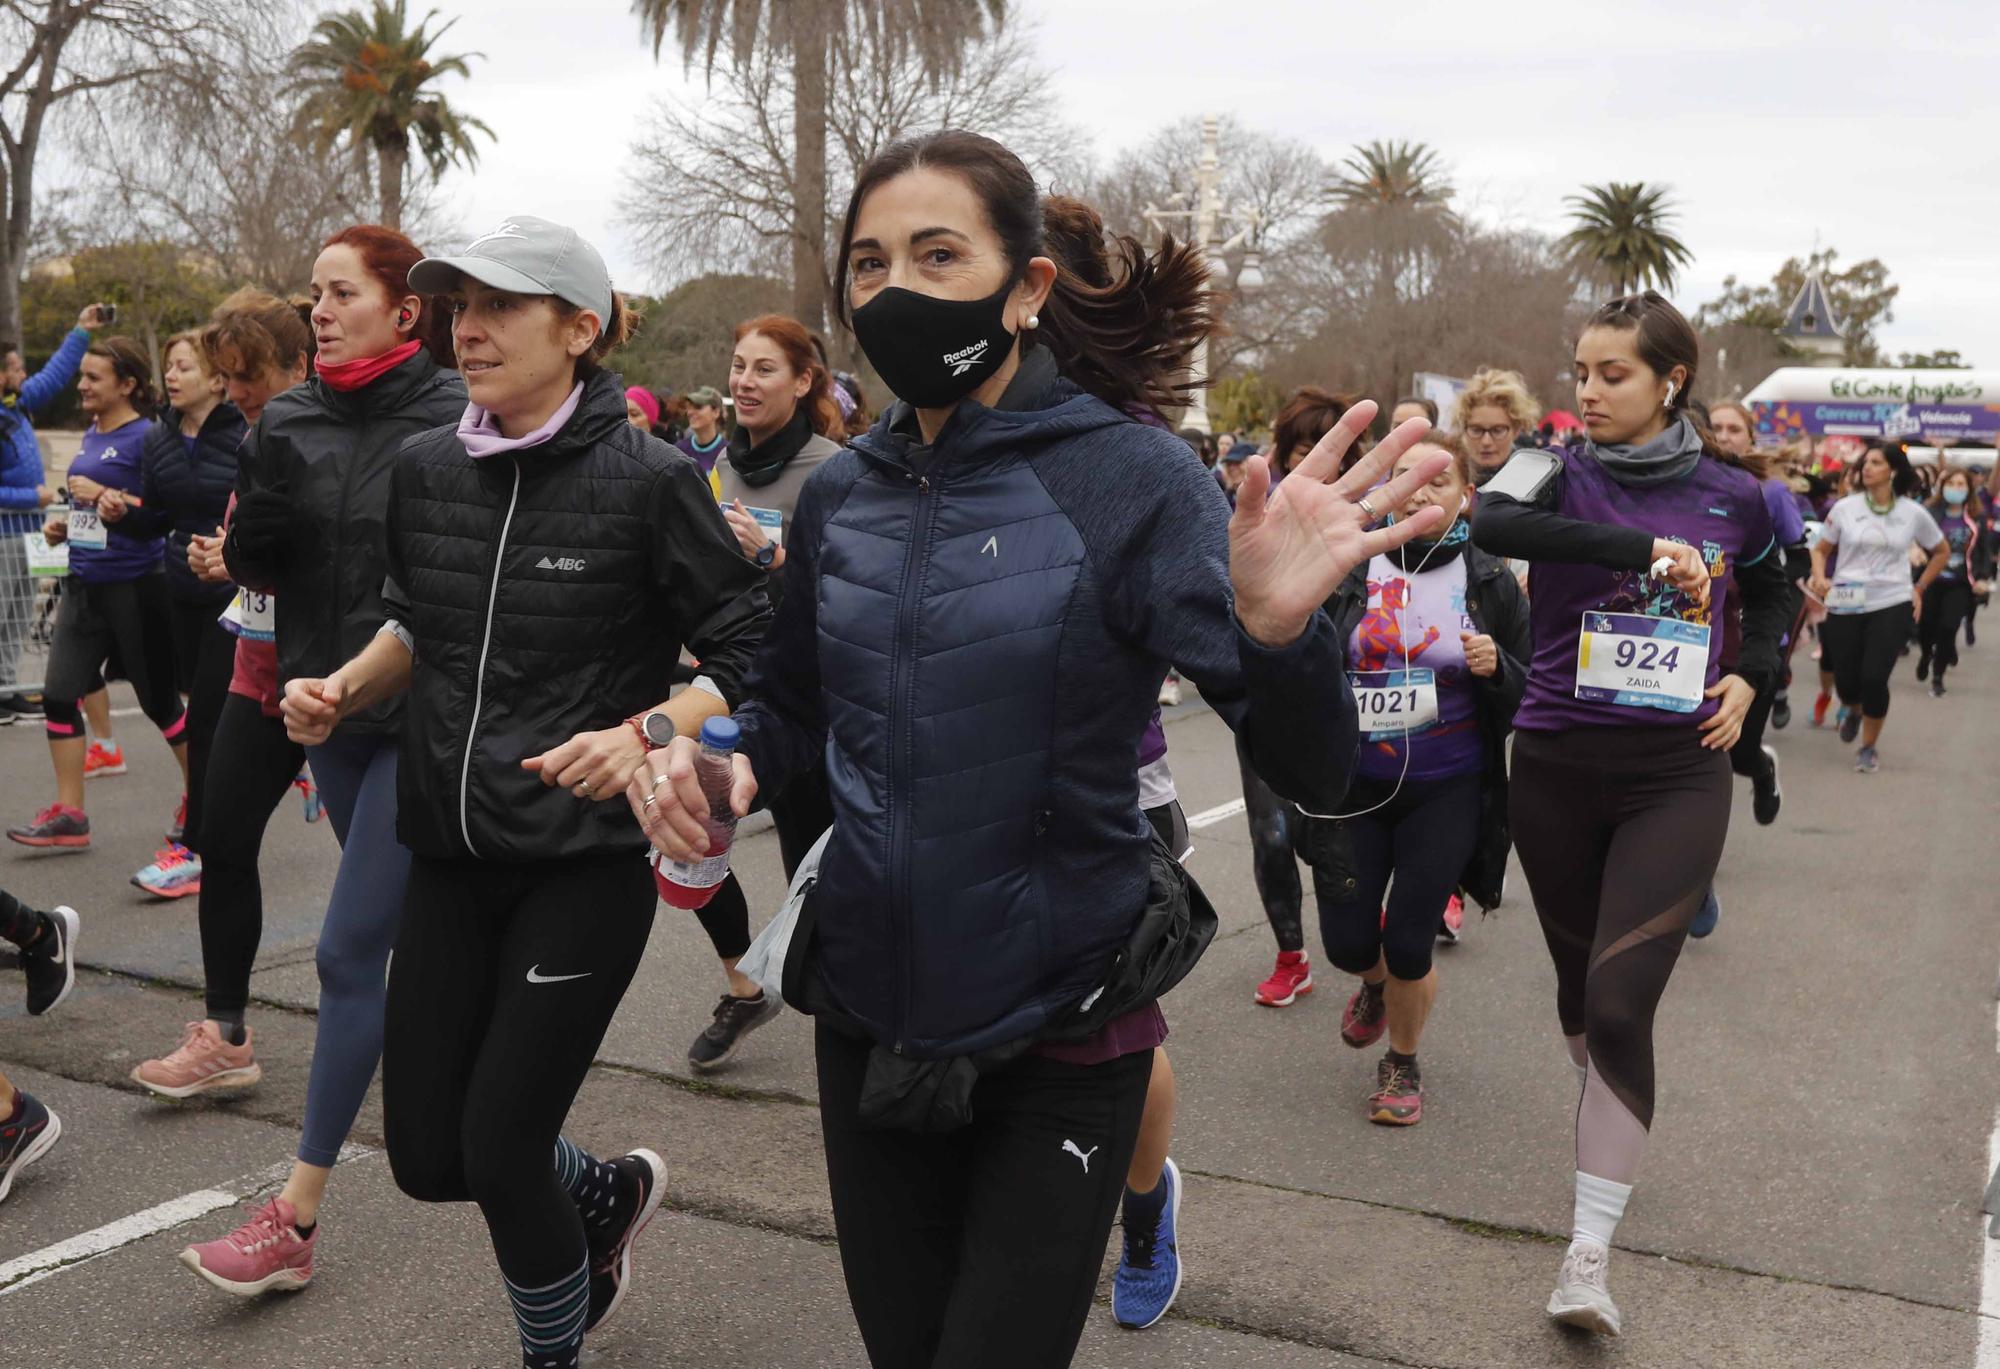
932,1096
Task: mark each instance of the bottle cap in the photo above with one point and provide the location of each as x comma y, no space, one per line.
721,734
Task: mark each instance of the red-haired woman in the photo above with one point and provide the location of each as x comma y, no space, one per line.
784,409
310,528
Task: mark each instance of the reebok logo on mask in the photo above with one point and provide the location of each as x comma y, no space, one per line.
560,563
965,358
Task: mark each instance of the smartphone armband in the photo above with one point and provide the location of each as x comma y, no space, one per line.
1526,477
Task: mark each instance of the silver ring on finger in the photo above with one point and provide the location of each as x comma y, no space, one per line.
651,799
659,780
583,790
1367,509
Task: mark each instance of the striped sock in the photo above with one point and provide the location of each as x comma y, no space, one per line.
551,1319
594,1185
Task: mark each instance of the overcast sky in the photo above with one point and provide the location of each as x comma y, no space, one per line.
1873,127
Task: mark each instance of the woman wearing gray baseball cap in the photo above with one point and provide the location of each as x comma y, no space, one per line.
547,561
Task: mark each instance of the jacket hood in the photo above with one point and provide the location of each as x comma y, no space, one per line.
1041,406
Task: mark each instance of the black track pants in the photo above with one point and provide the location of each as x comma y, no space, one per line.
980,1248
205,657
250,765
504,980
1862,649
1619,831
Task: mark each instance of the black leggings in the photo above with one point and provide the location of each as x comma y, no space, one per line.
204,659
1619,831
1947,604
504,981
1861,649
980,1247
250,766
801,813
130,623
1423,836
1274,859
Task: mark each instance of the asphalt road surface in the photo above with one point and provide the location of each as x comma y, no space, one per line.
1811,1196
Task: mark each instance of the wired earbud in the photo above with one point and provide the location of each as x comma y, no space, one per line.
1404,640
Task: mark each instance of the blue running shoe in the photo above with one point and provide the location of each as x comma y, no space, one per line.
174,873
1149,1270
309,791
1705,920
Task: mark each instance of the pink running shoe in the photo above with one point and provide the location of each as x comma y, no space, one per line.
1365,1018
1454,920
202,1063
1292,977
264,1254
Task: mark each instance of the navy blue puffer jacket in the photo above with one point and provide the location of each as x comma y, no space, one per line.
975,637
187,491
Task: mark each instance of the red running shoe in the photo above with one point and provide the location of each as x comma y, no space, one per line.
1292,977
1398,1100
1820,705
1454,920
1366,1017
58,825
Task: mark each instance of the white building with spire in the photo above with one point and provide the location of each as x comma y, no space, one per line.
1812,327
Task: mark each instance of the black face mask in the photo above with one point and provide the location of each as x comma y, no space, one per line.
934,352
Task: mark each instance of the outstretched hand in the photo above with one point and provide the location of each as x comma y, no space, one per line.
1291,547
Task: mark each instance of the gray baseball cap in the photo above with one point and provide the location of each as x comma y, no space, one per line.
529,256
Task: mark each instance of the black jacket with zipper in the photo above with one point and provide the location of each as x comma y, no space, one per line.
331,453
186,493
1494,602
548,592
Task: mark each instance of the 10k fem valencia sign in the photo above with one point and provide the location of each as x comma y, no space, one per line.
1931,406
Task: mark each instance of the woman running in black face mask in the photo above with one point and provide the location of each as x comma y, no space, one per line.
983,595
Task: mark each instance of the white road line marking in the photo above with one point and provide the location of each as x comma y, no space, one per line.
18,1274
1988,1354
1215,815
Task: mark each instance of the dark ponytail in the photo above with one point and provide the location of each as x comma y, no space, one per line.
1119,322
1665,339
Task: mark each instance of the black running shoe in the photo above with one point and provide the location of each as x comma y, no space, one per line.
1937,686
1765,794
735,1018
1781,712
50,964
25,1140
21,707
1850,724
611,1258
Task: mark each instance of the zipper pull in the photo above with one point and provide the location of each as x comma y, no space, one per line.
923,484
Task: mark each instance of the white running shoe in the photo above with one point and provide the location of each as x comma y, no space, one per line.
1583,1294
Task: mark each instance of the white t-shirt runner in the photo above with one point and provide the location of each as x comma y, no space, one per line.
1875,552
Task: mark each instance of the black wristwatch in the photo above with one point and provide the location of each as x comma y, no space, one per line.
765,555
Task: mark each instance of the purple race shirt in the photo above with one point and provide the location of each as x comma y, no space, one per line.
1421,616
1716,508
113,459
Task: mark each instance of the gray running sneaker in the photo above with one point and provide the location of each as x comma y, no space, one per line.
735,1018
1583,1295
1864,760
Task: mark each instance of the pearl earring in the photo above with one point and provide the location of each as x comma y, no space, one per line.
1032,321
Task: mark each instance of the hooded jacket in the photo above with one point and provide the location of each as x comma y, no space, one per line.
973,634
1494,602
332,454
186,492
548,591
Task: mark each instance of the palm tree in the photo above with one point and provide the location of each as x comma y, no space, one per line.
1621,233
937,31
364,77
1396,175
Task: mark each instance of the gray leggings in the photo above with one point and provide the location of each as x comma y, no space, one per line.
357,778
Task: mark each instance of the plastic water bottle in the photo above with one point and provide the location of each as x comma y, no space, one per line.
692,883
